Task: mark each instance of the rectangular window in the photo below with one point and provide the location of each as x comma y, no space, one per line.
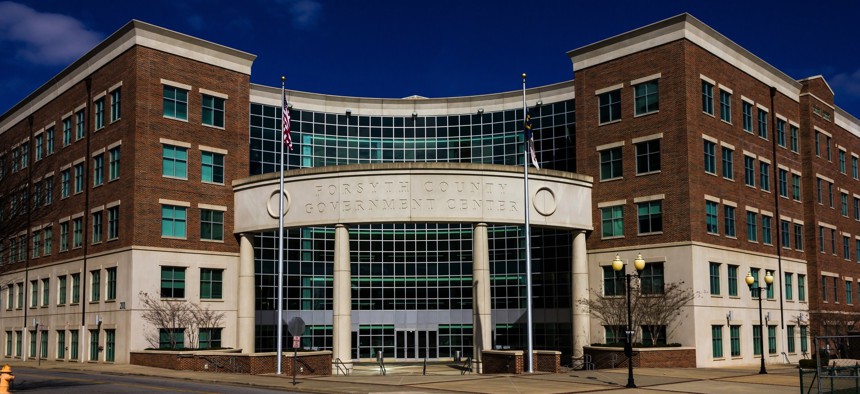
61,344
61,290
710,157
65,183
795,187
804,344
711,219
818,144
209,338
64,236
211,283
650,217
213,111
98,170
791,341
726,106
843,199
729,220
789,287
752,230
849,292
67,131
647,97
766,227
846,248
172,282
110,345
79,125
821,239
43,346
749,171
748,118
33,344
100,113
842,163
49,141
610,163
95,285
20,295
827,147
717,341
764,172
76,288
168,339
175,103
833,241
733,281
74,345
854,167
735,338
113,163
613,282
46,291
771,339
97,227
39,143
211,225
173,221
49,190
715,278
174,161
651,279
728,163
819,190
757,340
707,98
37,247
824,288
77,233
783,183
213,167
762,123
115,104
113,223
612,221
94,345
785,228
648,157
34,293
8,351
79,178
830,193
18,339
610,106
780,132
111,284
793,135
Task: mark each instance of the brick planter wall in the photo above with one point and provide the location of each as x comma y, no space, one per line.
547,361
671,357
309,363
513,361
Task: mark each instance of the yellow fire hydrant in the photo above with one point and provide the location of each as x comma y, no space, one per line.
6,379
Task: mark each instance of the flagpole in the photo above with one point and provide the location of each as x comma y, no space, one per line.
526,209
281,241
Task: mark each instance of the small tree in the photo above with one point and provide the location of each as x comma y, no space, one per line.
202,318
176,317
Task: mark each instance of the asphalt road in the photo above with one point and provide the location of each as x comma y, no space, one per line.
31,380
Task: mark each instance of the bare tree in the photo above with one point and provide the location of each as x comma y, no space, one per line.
203,318
174,317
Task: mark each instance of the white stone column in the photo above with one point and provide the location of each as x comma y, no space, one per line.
581,319
342,298
246,319
482,322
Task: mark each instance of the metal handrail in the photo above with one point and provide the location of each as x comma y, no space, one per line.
338,363
381,362
467,366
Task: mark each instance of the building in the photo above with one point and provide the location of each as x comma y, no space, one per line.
404,216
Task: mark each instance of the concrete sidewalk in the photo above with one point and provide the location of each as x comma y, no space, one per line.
441,378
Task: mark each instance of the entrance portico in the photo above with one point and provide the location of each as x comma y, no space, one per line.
414,193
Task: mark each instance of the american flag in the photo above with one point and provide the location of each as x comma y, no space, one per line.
288,140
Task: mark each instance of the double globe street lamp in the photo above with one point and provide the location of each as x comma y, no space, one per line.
756,290
618,266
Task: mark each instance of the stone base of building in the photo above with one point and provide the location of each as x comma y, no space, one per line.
307,363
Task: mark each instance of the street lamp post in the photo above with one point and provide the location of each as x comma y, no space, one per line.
618,266
755,289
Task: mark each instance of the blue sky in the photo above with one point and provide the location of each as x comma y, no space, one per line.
431,48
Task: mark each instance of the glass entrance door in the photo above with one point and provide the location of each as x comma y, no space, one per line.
416,344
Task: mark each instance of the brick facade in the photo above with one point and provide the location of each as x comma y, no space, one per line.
309,363
608,357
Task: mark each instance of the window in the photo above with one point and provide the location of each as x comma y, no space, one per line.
79,178
97,227
94,345
61,344
98,170
100,113
729,220
171,339
65,183
111,284
61,290
752,230
610,106
824,288
764,171
34,293
833,241
64,236
648,157
789,288
651,279
717,341
77,233
726,106
75,344
37,247
842,164
771,339
827,146
793,132
804,344
854,170
780,132
8,351
650,217
49,141
821,239
817,143
20,295
654,334
113,163
213,167
849,292
49,190
710,157
735,338
79,125
95,285
728,163
783,183
213,111
757,340
715,278
612,221
175,103
762,123
174,161
610,163
172,282
39,143
733,280
801,287
10,296
18,339
46,291
791,341
830,193
67,131
115,104
784,231
711,217
76,288
211,225
749,171
33,344
846,248
766,226
209,338
647,99
748,120
795,187
110,345
843,199
113,223
613,282
211,283
173,220
707,97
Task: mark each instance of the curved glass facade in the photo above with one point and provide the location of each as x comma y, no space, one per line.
412,282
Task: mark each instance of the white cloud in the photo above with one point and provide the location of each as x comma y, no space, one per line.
847,83
305,13
44,38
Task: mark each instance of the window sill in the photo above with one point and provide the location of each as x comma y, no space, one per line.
111,301
174,177
174,118
609,122
709,114
716,296
212,183
211,300
111,180
719,359
653,233
711,173
729,179
749,186
714,234
94,302
728,122
179,238
646,113
612,179
612,237
214,241
213,126
96,186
